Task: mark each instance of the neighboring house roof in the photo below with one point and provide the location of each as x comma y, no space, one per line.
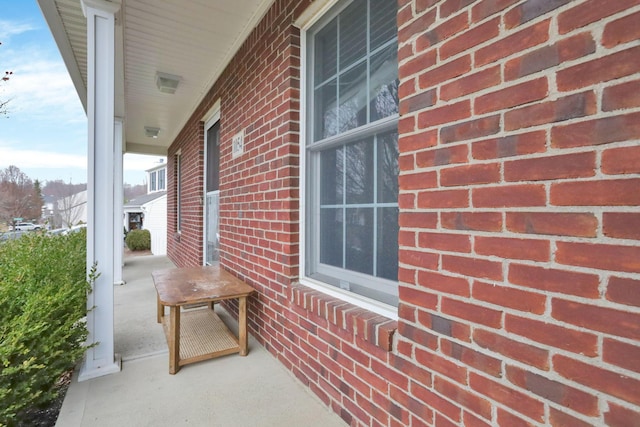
160,165
143,200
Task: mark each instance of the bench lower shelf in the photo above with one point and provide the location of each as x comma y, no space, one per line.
203,335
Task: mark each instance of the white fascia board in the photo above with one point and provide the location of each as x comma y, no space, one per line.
152,150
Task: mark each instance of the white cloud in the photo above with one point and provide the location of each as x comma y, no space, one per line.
41,89
49,165
40,159
12,28
52,160
140,162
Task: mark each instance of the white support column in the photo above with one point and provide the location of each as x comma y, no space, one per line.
101,195
118,190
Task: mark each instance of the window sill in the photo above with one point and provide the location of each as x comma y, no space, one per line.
358,322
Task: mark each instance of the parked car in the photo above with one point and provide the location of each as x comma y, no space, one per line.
26,226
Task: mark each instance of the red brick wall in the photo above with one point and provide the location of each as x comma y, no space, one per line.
526,115
520,185
259,93
185,248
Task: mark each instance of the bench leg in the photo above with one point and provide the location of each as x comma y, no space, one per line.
160,310
174,339
242,325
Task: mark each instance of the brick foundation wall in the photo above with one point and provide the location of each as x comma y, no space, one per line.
519,226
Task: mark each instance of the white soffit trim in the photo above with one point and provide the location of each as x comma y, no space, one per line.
147,150
257,16
103,5
314,12
212,115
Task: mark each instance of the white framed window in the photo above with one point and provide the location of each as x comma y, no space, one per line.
162,181
153,186
351,150
178,181
157,180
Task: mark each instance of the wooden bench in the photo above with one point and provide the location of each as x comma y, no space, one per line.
199,334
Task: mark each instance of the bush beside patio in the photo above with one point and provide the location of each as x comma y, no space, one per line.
138,240
43,290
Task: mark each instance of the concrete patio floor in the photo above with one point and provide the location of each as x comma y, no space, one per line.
232,391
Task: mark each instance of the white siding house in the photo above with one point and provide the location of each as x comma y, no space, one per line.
72,210
155,213
149,212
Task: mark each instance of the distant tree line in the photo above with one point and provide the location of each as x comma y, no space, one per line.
65,203
133,191
22,197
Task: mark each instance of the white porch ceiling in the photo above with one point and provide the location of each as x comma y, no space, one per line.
193,39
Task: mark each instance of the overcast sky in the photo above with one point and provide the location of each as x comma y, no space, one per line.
45,132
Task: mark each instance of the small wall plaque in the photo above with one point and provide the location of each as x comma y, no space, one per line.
237,144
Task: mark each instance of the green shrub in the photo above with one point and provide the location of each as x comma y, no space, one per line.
43,288
138,240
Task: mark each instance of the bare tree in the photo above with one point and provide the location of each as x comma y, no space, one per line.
58,188
63,197
18,198
71,208
38,200
3,102
133,191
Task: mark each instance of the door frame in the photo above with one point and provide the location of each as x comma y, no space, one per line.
211,118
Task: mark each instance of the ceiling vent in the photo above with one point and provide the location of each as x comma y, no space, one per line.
151,132
167,83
